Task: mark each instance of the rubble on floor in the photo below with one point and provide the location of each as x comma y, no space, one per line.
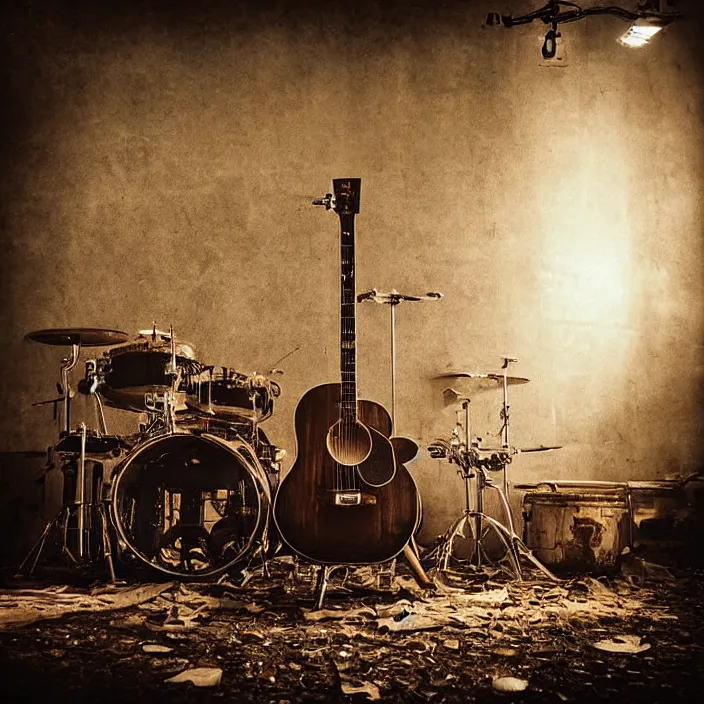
261,641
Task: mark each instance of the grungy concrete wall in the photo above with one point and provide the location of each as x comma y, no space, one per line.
159,165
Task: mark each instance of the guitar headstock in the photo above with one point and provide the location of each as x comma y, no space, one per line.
347,193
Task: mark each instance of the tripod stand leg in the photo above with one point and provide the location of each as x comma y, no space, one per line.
321,586
39,545
107,548
443,552
418,572
524,550
505,537
518,546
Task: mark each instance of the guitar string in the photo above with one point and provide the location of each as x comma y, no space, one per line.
348,409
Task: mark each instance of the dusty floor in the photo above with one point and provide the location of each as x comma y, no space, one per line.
395,645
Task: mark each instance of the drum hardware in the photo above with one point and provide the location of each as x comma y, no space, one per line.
75,338
153,362
89,386
478,382
274,369
190,505
77,503
476,462
161,411
225,393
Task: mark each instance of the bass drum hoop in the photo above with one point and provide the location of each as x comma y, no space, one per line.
249,461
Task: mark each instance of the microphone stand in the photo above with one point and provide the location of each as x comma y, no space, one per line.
392,299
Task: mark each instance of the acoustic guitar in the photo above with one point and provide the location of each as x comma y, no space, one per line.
347,499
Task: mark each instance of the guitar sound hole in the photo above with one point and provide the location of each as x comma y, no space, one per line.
349,442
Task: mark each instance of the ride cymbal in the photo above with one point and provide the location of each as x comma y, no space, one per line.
86,337
469,383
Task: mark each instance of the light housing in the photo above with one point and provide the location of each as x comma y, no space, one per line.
642,31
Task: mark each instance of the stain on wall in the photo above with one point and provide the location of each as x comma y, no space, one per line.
159,164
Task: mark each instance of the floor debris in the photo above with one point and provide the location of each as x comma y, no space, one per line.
25,606
199,676
261,642
155,648
623,644
509,684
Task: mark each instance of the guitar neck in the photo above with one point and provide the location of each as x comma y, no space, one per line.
348,329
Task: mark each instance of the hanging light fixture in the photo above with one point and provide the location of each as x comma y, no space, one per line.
647,19
642,31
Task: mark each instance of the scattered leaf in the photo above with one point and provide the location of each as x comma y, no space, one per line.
199,676
622,644
371,690
411,622
509,684
154,648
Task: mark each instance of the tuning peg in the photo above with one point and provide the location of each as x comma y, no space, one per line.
328,201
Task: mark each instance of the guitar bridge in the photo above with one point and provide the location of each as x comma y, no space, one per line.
350,498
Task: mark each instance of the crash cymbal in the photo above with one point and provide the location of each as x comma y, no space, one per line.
537,448
469,384
86,337
483,381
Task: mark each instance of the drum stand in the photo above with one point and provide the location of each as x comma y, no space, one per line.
62,518
474,464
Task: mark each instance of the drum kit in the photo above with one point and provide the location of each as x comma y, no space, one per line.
189,493
477,465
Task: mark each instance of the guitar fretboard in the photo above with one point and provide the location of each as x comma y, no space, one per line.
348,341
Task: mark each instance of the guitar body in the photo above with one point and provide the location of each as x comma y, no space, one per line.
309,508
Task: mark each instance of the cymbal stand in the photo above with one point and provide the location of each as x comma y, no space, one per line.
89,387
475,465
81,494
67,364
61,521
505,417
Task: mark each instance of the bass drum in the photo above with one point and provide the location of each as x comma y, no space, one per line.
191,505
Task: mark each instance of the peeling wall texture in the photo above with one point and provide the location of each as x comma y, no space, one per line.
159,162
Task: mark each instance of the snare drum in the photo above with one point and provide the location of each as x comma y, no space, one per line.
230,395
130,371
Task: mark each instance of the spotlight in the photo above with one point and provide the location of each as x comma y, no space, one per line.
641,31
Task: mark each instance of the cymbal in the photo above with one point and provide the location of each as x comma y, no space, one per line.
154,332
537,448
540,448
86,337
490,380
394,297
470,384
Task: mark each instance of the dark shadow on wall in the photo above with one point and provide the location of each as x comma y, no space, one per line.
22,505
